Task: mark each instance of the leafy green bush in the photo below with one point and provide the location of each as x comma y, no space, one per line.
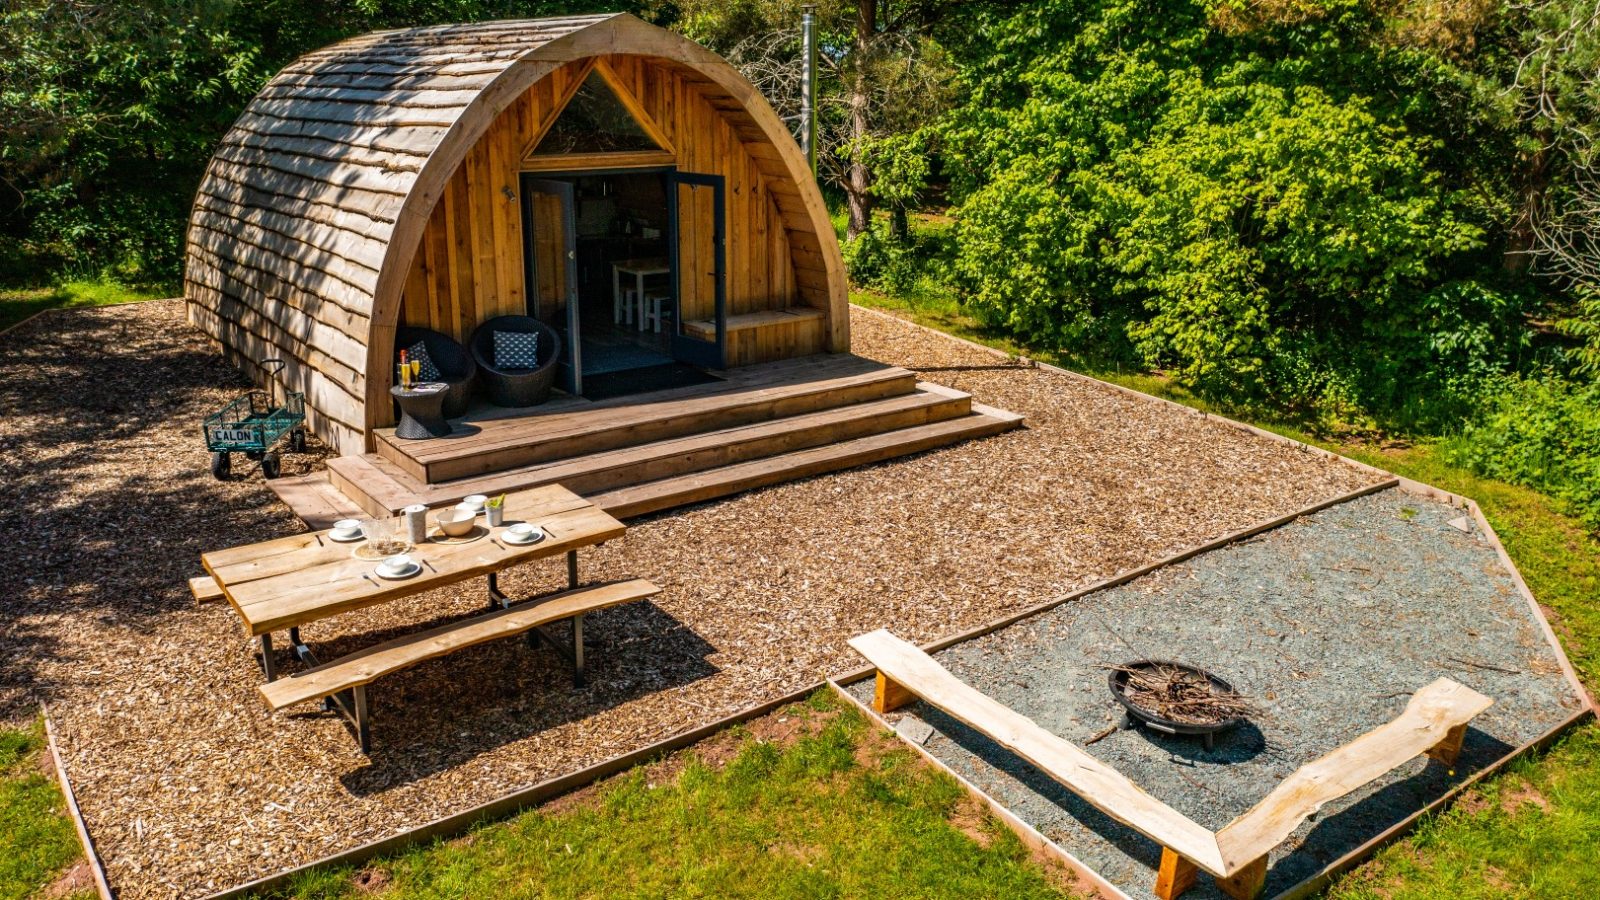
1544,433
877,259
1254,214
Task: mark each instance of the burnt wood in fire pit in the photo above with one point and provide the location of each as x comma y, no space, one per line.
1174,698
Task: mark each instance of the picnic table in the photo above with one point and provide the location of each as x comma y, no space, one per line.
289,582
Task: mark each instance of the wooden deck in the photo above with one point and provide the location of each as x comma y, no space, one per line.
761,425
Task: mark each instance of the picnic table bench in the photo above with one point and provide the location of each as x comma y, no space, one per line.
289,582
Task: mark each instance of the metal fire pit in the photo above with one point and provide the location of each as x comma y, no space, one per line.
1118,681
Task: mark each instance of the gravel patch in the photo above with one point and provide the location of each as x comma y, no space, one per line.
1326,624
189,784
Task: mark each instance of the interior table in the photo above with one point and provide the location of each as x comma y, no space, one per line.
289,582
639,269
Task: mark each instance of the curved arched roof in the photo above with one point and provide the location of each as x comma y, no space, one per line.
310,212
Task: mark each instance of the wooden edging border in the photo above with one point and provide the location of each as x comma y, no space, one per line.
61,309
458,823
853,675
101,886
15,325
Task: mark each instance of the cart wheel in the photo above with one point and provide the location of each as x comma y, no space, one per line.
221,465
297,441
270,465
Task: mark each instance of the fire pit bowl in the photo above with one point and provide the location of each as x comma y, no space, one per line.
1153,718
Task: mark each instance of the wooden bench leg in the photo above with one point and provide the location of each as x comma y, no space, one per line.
577,650
1175,875
363,725
888,695
1247,883
1448,749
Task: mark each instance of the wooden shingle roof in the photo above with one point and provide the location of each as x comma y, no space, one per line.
308,217
292,222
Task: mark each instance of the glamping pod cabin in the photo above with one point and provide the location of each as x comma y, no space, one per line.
622,187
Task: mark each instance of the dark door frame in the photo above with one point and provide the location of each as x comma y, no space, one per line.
570,372
708,354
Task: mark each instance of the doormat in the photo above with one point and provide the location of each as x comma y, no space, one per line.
638,381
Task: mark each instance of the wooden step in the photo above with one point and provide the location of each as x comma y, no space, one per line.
366,666
498,444
368,486
683,490
314,499
388,488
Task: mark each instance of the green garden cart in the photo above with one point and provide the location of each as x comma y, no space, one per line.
253,423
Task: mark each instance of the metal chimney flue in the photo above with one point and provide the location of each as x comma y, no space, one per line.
808,86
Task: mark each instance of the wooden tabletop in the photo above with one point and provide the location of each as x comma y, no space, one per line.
294,580
655,265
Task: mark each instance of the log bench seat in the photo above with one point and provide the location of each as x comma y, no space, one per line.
1434,723
344,680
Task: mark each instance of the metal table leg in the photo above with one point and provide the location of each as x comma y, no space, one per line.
572,569
268,664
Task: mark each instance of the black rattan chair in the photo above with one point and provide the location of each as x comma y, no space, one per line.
455,364
516,387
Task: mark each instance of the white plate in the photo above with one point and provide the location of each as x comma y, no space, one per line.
398,575
345,538
534,538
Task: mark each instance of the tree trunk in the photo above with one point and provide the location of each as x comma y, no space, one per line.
857,185
1521,236
899,222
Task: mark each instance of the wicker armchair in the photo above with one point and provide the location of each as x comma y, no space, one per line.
455,365
517,387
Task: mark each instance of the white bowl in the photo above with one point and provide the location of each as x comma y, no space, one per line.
457,522
475,501
397,564
524,533
347,527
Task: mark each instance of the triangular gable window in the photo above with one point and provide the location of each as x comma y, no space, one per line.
595,121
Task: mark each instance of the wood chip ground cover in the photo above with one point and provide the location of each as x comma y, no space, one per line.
190,784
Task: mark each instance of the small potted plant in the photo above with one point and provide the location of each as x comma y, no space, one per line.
495,510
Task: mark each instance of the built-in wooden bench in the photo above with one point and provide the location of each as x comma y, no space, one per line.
1434,723
354,672
769,334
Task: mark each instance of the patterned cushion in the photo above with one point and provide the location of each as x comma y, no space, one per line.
516,350
426,370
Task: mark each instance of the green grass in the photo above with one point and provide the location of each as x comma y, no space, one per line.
18,303
843,811
36,838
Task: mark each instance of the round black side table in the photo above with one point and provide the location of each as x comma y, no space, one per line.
421,411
